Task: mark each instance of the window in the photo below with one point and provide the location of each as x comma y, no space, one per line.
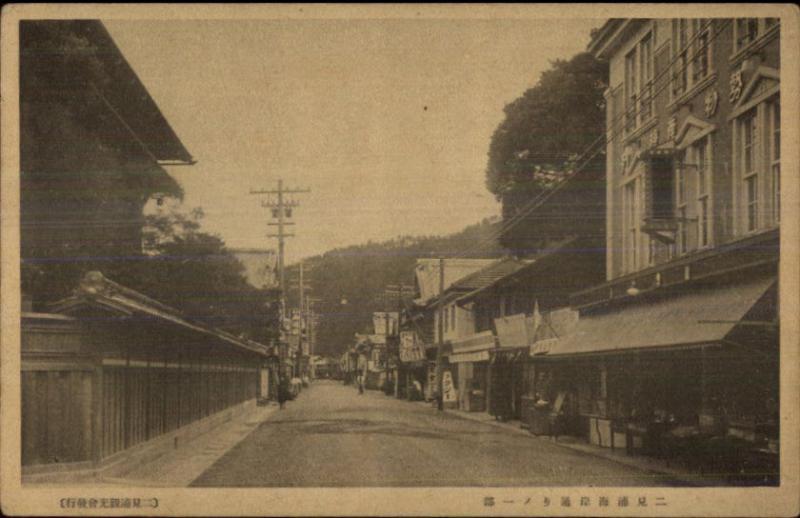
646,76
639,72
661,182
702,49
751,189
691,53
748,123
703,168
632,224
774,109
748,30
630,90
680,203
748,129
680,52
453,317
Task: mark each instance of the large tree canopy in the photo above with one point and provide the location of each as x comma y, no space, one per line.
545,130
183,267
550,123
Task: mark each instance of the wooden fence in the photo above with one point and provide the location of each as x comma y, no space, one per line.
89,392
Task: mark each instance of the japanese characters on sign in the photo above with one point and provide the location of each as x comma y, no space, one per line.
410,348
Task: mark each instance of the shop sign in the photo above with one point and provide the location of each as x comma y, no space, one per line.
448,387
513,331
411,349
431,388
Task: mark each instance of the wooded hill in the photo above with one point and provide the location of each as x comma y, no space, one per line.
358,274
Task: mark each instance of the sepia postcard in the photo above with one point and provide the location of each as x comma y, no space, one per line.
400,260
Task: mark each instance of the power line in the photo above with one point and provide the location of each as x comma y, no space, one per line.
537,201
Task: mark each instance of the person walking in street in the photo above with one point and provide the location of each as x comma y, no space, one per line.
283,391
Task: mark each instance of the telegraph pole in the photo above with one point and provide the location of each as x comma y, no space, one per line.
281,210
399,290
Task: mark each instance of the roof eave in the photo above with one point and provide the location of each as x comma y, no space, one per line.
611,35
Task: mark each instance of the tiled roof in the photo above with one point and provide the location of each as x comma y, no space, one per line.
491,274
96,290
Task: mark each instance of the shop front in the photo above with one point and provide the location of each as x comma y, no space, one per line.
690,378
469,361
515,334
412,368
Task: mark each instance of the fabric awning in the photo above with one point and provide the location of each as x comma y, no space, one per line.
479,356
482,341
515,330
704,316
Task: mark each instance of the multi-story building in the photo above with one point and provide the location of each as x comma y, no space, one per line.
680,345
693,147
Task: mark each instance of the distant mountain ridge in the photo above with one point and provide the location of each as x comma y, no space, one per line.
359,273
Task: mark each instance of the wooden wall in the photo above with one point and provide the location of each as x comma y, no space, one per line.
90,392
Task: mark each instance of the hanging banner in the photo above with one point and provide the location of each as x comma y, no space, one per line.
411,349
384,322
449,394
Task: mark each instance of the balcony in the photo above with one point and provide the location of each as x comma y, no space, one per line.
760,250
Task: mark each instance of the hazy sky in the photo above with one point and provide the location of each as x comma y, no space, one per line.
387,121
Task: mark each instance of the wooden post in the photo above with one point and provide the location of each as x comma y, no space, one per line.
163,383
149,395
703,389
440,341
180,386
98,431
126,409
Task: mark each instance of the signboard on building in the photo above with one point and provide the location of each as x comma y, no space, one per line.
383,322
432,387
449,394
411,349
513,331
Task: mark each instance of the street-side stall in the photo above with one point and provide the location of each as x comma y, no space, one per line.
550,404
412,366
515,333
470,359
686,377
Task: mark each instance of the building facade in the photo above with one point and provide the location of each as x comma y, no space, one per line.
693,138
676,354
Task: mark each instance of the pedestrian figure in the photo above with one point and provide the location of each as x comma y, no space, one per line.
283,391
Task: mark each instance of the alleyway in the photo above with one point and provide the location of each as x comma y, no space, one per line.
332,436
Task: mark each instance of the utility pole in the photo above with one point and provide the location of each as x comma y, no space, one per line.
440,341
281,210
303,321
399,290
